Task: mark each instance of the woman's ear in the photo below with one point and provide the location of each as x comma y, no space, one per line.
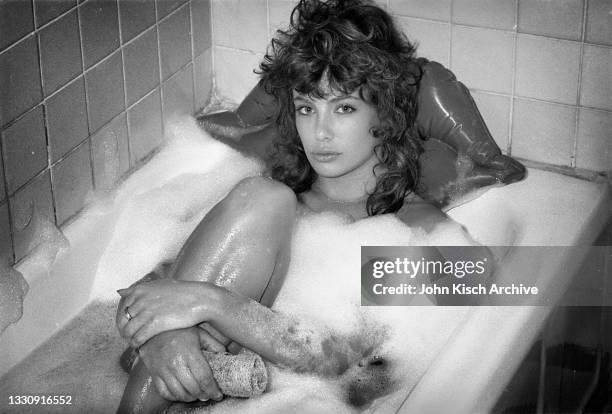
376,132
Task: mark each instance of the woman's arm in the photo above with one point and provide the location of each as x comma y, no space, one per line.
449,234
241,244
276,337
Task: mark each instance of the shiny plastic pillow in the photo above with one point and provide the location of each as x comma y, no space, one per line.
459,157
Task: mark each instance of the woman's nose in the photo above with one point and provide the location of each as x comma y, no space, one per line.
323,128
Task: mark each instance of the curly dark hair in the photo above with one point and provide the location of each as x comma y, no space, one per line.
355,45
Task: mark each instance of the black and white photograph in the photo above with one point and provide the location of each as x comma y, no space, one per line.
306,206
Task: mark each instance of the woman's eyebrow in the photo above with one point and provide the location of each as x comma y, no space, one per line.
300,98
333,98
341,97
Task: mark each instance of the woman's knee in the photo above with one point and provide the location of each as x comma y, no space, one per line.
262,195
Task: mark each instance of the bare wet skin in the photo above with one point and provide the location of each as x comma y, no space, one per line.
364,374
367,381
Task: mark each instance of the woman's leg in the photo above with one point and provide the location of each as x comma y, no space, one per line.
243,245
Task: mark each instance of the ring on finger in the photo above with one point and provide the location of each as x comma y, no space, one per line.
127,313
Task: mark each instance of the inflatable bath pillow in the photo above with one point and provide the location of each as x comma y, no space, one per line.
459,156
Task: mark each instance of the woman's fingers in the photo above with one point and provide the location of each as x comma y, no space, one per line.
189,382
127,302
139,332
123,318
203,374
177,390
211,339
208,342
162,389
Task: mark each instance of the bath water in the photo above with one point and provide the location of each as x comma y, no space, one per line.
153,213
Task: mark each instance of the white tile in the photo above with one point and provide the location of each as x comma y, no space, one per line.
599,22
177,94
145,126
482,58
543,131
547,68
495,110
496,14
241,24
109,153
558,18
279,14
427,9
234,76
203,79
6,247
432,38
382,3
596,88
594,149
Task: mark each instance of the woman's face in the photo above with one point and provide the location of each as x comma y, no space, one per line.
336,133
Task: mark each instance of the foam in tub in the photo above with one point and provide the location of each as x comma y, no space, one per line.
13,288
153,212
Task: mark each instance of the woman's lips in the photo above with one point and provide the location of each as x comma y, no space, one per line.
325,156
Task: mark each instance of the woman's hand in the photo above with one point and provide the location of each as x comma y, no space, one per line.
148,309
177,366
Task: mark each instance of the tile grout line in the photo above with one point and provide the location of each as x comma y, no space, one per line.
579,84
161,76
268,37
213,46
125,102
87,105
25,36
159,64
43,105
513,88
193,68
7,202
37,29
450,35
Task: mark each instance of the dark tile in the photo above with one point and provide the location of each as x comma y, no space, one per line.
200,18
177,94
164,7
24,147
72,183
109,152
136,16
145,126
35,197
2,187
6,246
99,29
105,91
141,66
60,50
174,42
46,10
15,21
67,119
203,79
20,87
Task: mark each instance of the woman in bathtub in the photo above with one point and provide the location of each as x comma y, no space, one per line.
346,81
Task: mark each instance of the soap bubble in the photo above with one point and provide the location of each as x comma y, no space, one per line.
13,289
44,240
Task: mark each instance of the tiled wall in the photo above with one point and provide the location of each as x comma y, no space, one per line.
539,70
85,91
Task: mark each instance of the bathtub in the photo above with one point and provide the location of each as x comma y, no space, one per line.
546,209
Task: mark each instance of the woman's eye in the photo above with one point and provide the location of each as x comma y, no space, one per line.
304,110
346,109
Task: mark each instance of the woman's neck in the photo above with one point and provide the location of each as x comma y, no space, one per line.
348,188
347,194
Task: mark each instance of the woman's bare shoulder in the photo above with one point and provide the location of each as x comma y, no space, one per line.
417,212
